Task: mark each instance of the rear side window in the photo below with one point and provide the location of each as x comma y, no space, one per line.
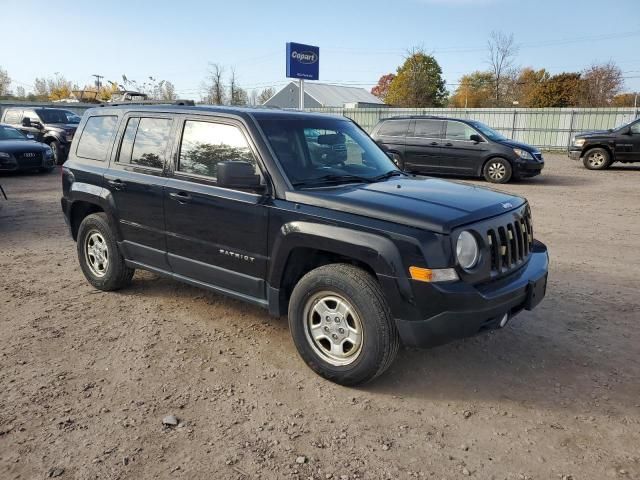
459,131
428,128
205,144
96,137
394,128
145,142
13,116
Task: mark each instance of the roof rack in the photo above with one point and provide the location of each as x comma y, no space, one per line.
189,103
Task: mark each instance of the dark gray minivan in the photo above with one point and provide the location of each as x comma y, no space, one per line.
451,146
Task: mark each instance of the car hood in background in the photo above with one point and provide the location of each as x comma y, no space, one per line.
515,144
13,146
593,133
426,203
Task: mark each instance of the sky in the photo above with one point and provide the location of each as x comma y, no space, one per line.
359,40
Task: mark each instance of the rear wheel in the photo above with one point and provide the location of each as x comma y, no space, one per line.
101,261
497,170
341,324
597,159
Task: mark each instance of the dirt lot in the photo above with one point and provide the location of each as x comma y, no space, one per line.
86,377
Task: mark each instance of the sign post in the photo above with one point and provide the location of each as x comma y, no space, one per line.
303,63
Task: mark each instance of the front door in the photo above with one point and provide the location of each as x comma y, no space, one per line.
136,184
215,236
35,127
460,154
423,146
628,144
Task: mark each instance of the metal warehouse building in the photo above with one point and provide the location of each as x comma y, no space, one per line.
323,95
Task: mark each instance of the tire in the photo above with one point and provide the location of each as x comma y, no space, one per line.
596,159
96,242
57,153
397,159
365,340
497,170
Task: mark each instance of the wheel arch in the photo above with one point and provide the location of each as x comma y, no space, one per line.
604,146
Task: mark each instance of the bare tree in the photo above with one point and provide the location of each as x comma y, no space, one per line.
253,97
265,95
502,51
214,86
5,82
600,84
237,95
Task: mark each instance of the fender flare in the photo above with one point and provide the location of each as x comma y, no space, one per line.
99,196
376,251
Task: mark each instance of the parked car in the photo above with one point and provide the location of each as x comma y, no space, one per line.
48,125
453,146
359,254
599,149
18,152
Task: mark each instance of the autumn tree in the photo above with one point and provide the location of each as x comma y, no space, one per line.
561,90
381,90
502,51
600,84
265,95
526,85
418,82
625,100
475,90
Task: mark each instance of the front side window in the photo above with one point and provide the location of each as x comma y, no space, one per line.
205,144
96,137
635,128
320,151
52,115
394,128
459,131
428,128
145,142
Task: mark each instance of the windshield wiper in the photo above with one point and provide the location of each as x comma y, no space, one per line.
389,174
331,179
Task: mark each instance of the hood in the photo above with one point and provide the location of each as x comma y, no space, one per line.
592,133
515,144
18,146
67,127
426,203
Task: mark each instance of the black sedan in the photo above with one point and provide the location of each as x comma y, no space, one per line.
19,152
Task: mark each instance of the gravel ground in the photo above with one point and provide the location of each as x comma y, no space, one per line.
86,378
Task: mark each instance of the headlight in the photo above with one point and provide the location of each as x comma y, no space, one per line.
467,251
523,154
4,155
578,142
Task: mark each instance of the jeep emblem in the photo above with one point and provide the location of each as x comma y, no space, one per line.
507,205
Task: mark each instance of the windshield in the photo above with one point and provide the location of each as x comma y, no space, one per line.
72,117
10,133
489,132
318,152
625,124
51,115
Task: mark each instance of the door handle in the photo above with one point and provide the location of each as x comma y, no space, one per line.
448,144
433,144
117,184
181,197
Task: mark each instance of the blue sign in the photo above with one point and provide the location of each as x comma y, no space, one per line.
303,61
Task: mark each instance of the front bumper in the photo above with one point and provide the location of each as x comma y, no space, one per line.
456,310
527,168
575,154
13,164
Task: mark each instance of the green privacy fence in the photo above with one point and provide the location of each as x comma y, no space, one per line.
547,128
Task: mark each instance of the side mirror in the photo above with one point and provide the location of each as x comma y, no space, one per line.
238,174
26,122
475,138
30,137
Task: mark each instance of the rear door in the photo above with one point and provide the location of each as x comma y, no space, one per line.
136,184
460,154
423,146
628,144
391,135
216,236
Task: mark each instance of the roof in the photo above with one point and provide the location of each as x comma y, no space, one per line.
336,95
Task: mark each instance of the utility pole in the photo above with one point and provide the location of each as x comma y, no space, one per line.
98,80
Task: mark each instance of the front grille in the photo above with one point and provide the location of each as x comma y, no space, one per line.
510,244
29,159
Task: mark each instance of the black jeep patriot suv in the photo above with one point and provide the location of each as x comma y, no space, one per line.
301,214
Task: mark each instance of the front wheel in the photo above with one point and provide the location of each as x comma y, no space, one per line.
497,170
57,152
397,159
341,324
597,159
101,262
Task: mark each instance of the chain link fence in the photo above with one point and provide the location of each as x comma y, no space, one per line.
546,128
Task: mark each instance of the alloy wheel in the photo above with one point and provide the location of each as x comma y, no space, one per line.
97,253
497,171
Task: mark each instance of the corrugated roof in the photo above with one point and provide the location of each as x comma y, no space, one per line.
337,95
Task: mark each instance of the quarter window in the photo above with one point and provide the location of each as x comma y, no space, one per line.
205,144
96,137
145,141
394,128
635,128
428,128
459,131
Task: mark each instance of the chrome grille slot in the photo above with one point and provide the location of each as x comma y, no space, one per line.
510,244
